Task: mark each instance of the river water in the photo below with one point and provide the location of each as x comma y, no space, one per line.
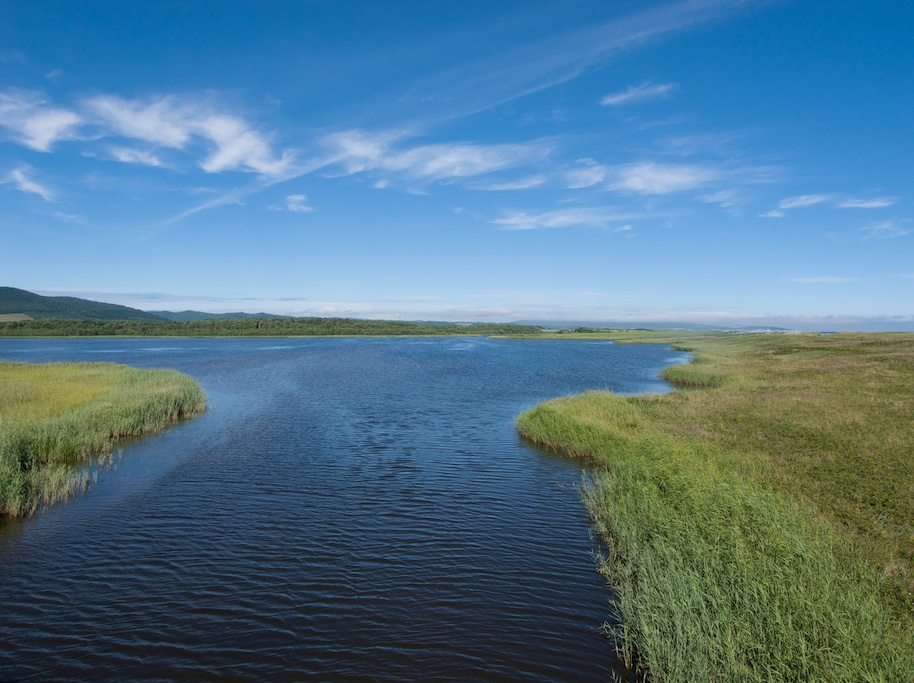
346,510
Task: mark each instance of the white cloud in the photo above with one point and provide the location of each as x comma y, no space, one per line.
803,200
358,151
135,156
773,214
441,161
70,218
20,179
638,93
887,229
651,178
522,184
876,203
564,218
476,86
162,122
298,203
725,198
170,123
238,146
32,122
587,174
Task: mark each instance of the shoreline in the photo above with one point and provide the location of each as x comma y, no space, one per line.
57,417
708,498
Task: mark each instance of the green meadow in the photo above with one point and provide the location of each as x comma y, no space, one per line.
758,523
55,417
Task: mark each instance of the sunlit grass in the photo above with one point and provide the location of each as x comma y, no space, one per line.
54,417
762,527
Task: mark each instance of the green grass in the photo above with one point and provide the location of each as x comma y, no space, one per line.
760,528
55,417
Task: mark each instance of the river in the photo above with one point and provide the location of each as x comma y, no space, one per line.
346,509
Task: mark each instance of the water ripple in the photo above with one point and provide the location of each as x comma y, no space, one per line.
356,510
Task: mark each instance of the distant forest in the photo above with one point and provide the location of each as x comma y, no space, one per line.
251,327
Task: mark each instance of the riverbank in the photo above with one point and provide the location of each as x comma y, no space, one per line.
54,417
760,527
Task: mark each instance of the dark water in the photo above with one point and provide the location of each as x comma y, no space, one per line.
347,509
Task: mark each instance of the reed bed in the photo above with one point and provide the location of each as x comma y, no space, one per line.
55,417
761,527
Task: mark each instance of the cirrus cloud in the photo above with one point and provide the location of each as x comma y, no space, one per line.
638,93
596,217
876,203
20,179
32,122
803,200
648,177
887,229
358,151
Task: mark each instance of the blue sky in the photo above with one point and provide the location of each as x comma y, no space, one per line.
720,162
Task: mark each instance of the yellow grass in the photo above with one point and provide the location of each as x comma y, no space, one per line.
54,417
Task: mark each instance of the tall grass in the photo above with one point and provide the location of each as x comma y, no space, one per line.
54,417
733,536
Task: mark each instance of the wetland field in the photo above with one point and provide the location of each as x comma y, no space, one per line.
367,507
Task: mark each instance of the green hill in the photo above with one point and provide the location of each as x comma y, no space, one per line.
20,302
184,316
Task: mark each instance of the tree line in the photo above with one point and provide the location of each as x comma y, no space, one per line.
253,327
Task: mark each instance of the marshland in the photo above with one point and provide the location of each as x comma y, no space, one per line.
363,505
55,416
759,526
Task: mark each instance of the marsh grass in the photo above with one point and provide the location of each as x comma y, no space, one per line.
761,528
54,417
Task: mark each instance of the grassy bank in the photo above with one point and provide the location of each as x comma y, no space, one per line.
760,526
55,416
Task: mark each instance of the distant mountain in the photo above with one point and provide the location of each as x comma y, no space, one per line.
185,316
20,302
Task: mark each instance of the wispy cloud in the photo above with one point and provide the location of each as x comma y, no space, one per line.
531,68
586,174
638,93
298,203
176,124
522,184
726,198
21,180
773,214
32,122
358,151
135,156
803,200
876,203
887,229
648,177
70,218
566,218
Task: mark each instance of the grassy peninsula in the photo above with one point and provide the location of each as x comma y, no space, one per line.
55,416
758,524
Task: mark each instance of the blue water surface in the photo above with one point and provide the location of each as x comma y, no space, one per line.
346,509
